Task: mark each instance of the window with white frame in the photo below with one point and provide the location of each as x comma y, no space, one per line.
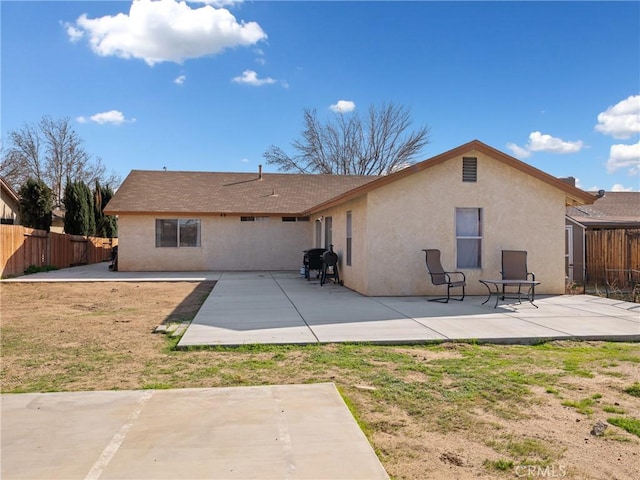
469,237
328,232
172,232
318,233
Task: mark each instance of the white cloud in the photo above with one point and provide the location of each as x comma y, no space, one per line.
518,151
621,188
539,142
217,3
621,120
624,156
165,31
260,60
113,117
343,106
74,33
180,79
249,77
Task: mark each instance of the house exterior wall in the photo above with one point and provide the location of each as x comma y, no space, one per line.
9,208
400,219
226,244
354,275
391,225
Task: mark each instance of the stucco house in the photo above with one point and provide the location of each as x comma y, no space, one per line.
470,202
9,204
617,213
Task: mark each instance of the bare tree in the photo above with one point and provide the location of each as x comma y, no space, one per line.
51,152
377,145
23,159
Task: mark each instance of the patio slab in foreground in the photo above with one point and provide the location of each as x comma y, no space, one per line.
271,432
282,307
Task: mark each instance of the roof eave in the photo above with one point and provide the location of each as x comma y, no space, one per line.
205,214
573,195
9,189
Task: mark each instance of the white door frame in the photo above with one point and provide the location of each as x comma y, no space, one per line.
568,254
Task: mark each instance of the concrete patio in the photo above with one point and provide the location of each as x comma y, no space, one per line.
268,432
284,308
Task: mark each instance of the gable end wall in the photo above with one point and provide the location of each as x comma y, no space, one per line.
520,212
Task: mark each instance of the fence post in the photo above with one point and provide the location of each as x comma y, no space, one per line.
48,249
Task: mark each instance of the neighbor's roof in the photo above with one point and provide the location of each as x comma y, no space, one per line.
146,192
614,209
168,192
9,190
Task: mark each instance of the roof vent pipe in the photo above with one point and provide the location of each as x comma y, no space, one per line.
259,172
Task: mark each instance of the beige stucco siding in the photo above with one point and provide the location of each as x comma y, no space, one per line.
9,208
226,244
400,219
354,275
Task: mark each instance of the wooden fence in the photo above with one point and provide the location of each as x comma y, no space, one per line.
21,247
613,249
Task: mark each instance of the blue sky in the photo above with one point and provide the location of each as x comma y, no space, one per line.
210,85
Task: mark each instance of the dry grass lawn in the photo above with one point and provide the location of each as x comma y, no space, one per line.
441,411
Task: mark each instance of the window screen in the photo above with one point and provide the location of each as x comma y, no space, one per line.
469,237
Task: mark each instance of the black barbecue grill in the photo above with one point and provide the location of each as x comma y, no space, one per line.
312,260
330,267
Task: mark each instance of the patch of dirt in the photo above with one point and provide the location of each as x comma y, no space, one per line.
98,336
113,322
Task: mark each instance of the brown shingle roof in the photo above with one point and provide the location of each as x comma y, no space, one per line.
615,208
282,193
230,193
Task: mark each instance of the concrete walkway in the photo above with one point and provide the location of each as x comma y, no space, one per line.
99,272
283,308
273,432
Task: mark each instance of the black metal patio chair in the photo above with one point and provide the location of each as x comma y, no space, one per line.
441,277
514,267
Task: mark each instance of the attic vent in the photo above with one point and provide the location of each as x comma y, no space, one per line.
469,169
